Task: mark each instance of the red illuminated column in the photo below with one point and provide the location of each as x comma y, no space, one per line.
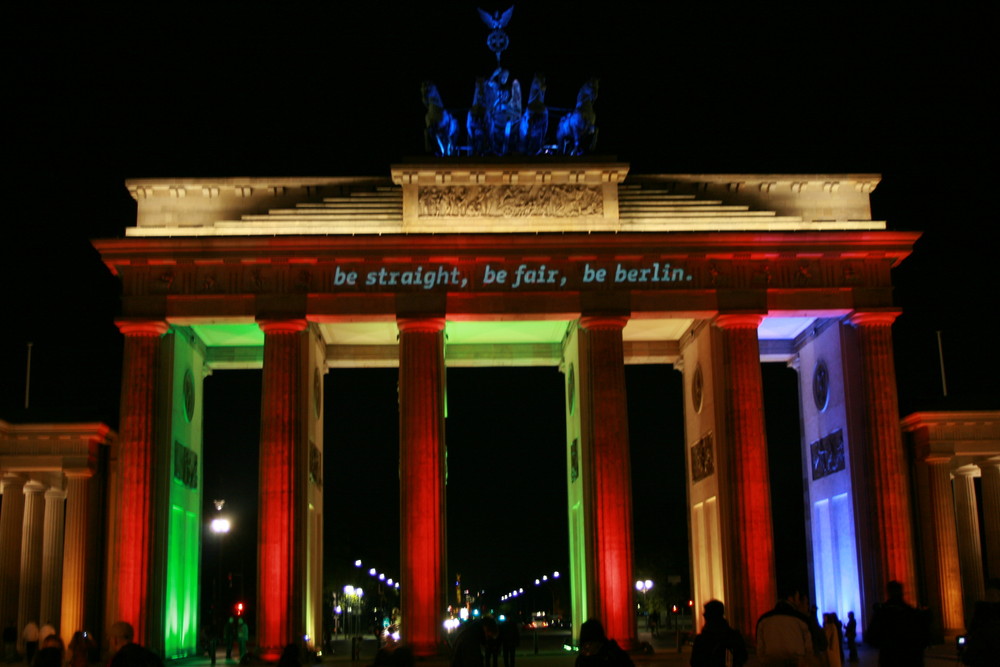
991,515
969,547
602,360
889,482
421,481
280,534
751,580
11,521
137,438
949,578
32,532
52,556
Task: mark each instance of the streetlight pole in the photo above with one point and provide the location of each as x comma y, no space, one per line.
643,586
220,526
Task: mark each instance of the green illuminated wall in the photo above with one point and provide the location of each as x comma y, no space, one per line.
574,484
181,575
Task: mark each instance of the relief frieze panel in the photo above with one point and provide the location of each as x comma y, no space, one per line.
511,201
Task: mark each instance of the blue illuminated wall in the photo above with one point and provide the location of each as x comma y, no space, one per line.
827,447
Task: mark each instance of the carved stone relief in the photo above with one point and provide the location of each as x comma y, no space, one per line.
510,201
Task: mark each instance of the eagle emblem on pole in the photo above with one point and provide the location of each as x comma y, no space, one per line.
497,41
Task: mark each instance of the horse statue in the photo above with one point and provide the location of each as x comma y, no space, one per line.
441,132
535,119
477,121
578,129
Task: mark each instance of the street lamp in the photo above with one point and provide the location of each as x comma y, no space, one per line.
643,586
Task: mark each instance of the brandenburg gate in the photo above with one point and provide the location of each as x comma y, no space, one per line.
569,263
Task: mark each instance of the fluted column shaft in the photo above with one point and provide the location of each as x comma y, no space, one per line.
949,576
893,530
74,563
753,577
602,360
52,556
11,521
32,532
421,480
991,515
281,538
137,439
969,547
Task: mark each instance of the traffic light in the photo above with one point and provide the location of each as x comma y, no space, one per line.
238,607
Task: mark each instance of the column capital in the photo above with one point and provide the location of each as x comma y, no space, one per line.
420,324
592,322
738,320
34,486
282,326
873,317
142,327
55,493
11,479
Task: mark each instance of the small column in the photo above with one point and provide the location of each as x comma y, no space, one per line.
752,577
32,532
991,515
889,486
74,555
52,560
137,438
421,480
602,361
280,528
969,547
949,577
11,521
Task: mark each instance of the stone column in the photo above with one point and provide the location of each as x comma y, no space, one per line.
281,538
991,515
969,547
32,532
888,483
949,577
11,521
74,556
602,366
137,439
52,559
751,580
421,480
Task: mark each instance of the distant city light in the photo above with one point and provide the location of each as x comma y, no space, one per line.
220,526
357,563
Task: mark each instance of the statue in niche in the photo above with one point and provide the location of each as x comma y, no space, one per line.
477,121
441,128
535,119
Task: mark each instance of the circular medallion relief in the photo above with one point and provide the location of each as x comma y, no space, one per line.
697,388
821,385
571,389
317,392
187,387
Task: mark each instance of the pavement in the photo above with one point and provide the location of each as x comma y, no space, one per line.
664,653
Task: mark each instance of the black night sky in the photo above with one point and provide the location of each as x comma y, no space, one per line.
95,96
